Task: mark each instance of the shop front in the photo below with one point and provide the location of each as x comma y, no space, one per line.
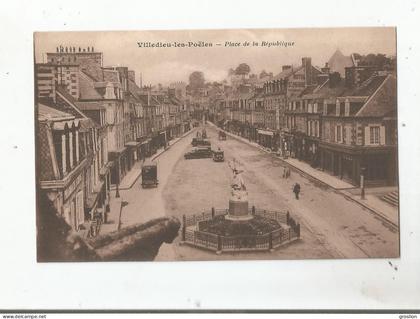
144,148
266,138
133,152
348,163
119,169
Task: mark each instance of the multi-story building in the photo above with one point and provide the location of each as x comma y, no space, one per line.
359,132
60,164
104,87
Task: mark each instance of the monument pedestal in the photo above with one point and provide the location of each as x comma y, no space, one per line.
238,210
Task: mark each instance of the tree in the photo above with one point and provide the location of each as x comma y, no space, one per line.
379,60
196,80
242,69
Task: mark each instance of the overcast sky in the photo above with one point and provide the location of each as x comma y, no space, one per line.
165,65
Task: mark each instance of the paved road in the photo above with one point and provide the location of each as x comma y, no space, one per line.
332,227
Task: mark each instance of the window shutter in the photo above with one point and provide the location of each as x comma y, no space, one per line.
382,135
367,135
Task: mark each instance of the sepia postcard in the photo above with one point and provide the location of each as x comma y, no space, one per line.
242,144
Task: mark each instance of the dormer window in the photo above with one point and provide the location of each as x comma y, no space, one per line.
347,107
109,92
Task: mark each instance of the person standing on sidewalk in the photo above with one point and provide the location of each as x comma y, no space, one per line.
296,190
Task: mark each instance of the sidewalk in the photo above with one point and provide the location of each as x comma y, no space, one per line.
146,201
372,200
133,175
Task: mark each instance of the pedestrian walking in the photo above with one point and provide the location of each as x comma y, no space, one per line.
284,171
296,190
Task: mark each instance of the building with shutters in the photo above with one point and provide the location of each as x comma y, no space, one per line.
359,130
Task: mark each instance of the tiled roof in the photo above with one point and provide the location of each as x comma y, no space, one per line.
45,166
94,71
87,88
46,112
286,73
134,89
111,76
384,100
368,87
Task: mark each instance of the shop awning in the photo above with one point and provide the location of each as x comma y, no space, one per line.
132,144
114,154
146,141
264,132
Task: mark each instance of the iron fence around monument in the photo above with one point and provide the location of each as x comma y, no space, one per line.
289,231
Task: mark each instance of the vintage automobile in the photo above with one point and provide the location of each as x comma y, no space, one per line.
199,152
222,136
218,155
149,175
198,141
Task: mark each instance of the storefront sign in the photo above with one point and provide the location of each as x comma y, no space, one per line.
265,132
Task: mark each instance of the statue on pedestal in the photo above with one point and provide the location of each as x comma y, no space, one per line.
238,188
238,202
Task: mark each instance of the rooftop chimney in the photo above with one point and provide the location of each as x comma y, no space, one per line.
335,79
307,66
286,67
132,75
326,68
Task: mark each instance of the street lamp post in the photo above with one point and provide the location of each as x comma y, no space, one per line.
123,203
362,183
117,193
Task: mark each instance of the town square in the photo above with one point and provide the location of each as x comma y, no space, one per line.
171,161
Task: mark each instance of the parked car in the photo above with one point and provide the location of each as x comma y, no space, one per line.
149,175
199,152
198,141
218,155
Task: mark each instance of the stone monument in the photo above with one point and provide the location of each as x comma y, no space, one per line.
238,201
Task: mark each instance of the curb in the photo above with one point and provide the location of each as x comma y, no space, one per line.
307,175
372,210
181,137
